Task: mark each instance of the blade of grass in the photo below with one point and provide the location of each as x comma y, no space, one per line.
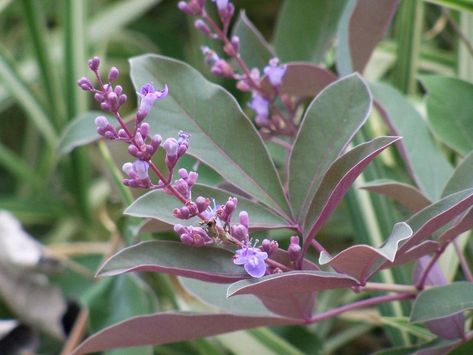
408,32
35,23
25,98
16,166
75,61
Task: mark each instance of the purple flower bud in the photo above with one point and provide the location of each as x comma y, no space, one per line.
101,122
133,150
182,213
202,203
236,43
222,68
113,74
253,260
192,178
122,134
99,97
244,219
221,4
141,168
193,209
240,232
179,229
85,84
269,246
181,186
94,63
156,141
105,106
275,72
183,173
144,129
122,99
170,146
182,5
294,248
242,85
118,90
202,26
127,168
108,135
210,56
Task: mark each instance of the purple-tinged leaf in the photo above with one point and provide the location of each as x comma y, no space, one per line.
450,327
254,49
369,21
291,294
221,135
163,328
427,166
290,282
206,264
433,217
361,261
424,248
303,79
407,195
329,124
462,177
440,302
215,295
338,179
305,29
159,205
464,224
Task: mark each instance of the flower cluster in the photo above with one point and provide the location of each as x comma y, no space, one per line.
263,102
215,226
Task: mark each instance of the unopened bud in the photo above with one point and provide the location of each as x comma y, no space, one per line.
113,74
94,63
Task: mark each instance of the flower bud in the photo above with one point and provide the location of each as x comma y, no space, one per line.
85,84
202,203
170,146
101,122
94,63
269,246
202,26
156,141
113,74
244,219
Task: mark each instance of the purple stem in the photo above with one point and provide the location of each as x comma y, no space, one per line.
364,303
464,264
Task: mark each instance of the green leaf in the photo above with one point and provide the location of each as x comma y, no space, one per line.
439,302
462,177
461,5
450,111
329,124
80,131
254,49
215,295
305,29
221,135
206,264
159,205
429,169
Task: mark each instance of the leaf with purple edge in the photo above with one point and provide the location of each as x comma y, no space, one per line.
439,302
159,205
407,195
338,179
221,135
428,167
303,79
329,124
170,327
452,326
291,294
206,264
215,295
424,248
254,49
361,261
368,22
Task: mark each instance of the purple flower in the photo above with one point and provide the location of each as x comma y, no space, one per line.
260,105
253,260
148,95
275,72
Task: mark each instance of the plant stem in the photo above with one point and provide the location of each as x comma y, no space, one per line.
376,286
464,264
360,304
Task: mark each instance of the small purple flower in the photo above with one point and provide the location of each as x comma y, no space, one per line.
260,105
148,95
253,260
275,72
